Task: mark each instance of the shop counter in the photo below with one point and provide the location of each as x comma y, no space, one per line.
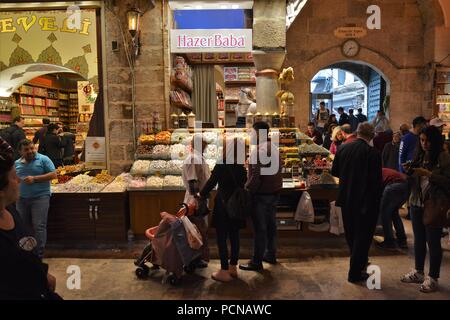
146,206
77,218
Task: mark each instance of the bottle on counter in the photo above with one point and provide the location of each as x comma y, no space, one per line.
174,121
182,120
191,120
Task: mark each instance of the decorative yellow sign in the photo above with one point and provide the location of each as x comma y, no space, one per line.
52,37
350,32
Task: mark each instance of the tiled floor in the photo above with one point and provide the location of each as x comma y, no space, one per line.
309,268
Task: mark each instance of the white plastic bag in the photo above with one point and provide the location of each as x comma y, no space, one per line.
336,222
193,235
305,209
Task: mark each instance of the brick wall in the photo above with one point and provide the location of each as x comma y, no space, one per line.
150,81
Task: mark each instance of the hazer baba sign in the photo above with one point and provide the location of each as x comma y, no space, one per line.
214,40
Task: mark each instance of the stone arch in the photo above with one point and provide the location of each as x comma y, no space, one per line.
385,67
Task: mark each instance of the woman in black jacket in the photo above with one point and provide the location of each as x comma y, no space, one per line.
430,172
53,145
23,276
229,175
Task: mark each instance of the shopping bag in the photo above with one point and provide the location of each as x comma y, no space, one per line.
194,236
336,221
305,209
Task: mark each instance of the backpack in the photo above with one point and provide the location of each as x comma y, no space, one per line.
239,205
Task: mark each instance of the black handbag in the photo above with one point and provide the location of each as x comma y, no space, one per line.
239,205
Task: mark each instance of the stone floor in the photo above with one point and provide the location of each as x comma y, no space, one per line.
318,271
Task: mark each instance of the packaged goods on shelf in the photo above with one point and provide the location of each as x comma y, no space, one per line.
140,167
211,137
211,152
163,137
157,167
154,182
306,148
179,151
81,179
179,135
66,188
137,183
103,178
173,182
91,187
147,139
180,97
144,151
174,167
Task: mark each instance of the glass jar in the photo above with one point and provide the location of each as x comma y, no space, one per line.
182,121
276,120
258,117
285,120
191,120
267,118
174,121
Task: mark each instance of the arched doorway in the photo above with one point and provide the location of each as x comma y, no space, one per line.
351,85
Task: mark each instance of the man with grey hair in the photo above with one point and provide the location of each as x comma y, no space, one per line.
358,167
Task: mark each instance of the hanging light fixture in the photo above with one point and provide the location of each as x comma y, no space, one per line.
133,16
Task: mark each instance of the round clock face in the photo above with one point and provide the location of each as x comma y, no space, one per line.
350,48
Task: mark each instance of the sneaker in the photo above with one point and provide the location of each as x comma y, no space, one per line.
232,270
386,245
222,276
413,277
429,285
251,267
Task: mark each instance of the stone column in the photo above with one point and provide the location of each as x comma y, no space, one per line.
269,43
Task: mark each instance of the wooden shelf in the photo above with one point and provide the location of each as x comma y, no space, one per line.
34,95
240,83
231,100
181,106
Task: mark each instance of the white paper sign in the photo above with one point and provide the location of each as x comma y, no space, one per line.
96,152
211,40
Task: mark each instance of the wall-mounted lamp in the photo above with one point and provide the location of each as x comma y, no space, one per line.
133,16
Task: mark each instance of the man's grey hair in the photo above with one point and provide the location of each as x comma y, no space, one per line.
366,131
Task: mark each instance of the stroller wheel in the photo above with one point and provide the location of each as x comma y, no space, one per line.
173,280
142,272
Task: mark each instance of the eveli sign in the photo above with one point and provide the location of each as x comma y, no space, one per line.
210,40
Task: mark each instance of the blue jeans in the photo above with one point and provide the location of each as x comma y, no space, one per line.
423,236
265,227
34,213
394,196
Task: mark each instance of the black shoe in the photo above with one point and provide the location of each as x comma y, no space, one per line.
201,264
402,244
386,245
251,267
363,277
270,261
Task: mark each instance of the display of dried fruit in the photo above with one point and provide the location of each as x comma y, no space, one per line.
147,139
163,137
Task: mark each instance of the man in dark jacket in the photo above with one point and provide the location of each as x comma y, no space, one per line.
264,183
40,134
68,140
358,166
53,145
14,134
343,117
390,152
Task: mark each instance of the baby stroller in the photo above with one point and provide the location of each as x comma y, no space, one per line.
169,247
